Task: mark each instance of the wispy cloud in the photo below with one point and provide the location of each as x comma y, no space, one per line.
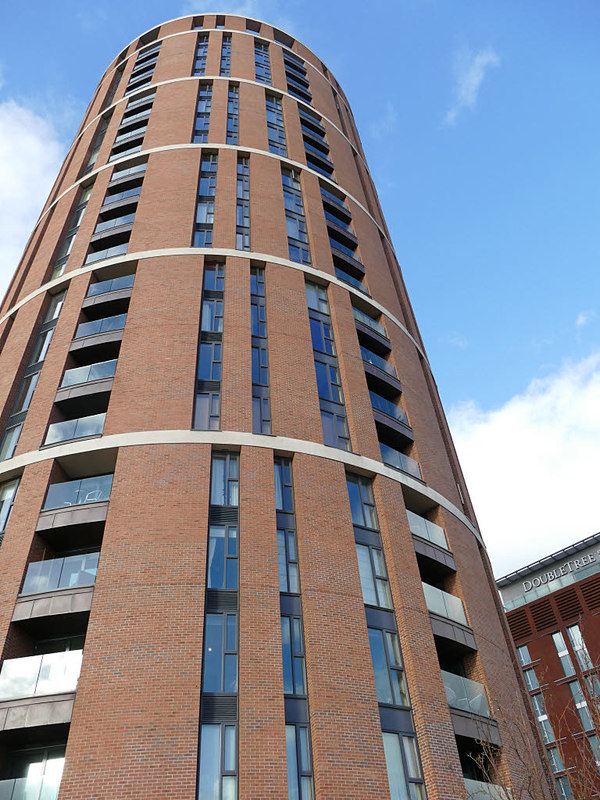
583,318
31,153
470,69
385,124
532,465
456,340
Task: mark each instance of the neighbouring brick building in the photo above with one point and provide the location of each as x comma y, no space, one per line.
552,607
239,557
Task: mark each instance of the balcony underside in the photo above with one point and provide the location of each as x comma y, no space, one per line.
55,603
36,712
473,726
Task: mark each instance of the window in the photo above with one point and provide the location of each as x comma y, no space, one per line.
242,230
531,680
556,761
387,667
299,763
287,554
335,430
373,576
69,238
564,788
212,315
284,493
97,144
203,113
233,112
329,384
207,409
225,55
210,361
563,653
8,491
262,63
579,646
316,297
222,572
582,707
594,744
205,208
292,649
219,674
322,336
403,767
542,717
294,217
201,52
217,779
523,654
224,479
261,393
275,125
362,502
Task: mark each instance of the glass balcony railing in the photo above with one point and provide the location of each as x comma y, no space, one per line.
343,276
334,199
93,372
315,151
480,790
76,493
33,787
114,223
51,673
377,361
134,191
335,245
102,287
394,458
75,428
425,529
109,252
360,316
445,604
103,325
465,694
388,407
123,173
61,573
140,131
338,221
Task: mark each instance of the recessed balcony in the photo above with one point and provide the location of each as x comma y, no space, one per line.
80,428
98,326
51,673
436,561
444,604
346,258
60,573
78,493
425,529
394,458
121,284
480,790
351,280
470,709
100,371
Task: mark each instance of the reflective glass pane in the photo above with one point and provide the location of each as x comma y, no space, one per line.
366,575
229,759
230,681
395,768
292,762
216,557
286,653
210,761
213,653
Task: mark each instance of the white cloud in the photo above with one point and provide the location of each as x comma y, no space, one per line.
30,157
583,318
384,125
532,466
469,70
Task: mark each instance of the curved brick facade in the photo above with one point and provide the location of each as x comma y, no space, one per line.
232,302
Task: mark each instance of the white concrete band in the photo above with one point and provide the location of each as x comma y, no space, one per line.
15,466
64,279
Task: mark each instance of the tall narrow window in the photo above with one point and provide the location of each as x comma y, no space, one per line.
299,763
580,648
262,62
225,68
242,229
329,387
203,113
205,208
233,113
8,491
69,238
275,125
201,52
261,393
207,410
217,764
97,144
582,707
563,653
294,217
399,740
292,647
16,420
542,717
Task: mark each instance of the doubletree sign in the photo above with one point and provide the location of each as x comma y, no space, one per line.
566,568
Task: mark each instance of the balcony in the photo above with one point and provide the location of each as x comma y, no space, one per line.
444,604
103,325
94,372
51,673
114,285
346,257
308,119
108,252
425,529
341,231
337,202
480,790
61,573
33,787
77,493
351,280
466,695
377,361
394,458
115,222
118,197
120,176
79,428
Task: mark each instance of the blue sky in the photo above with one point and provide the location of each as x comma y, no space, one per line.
480,122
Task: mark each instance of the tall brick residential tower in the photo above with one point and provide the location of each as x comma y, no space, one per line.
239,559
